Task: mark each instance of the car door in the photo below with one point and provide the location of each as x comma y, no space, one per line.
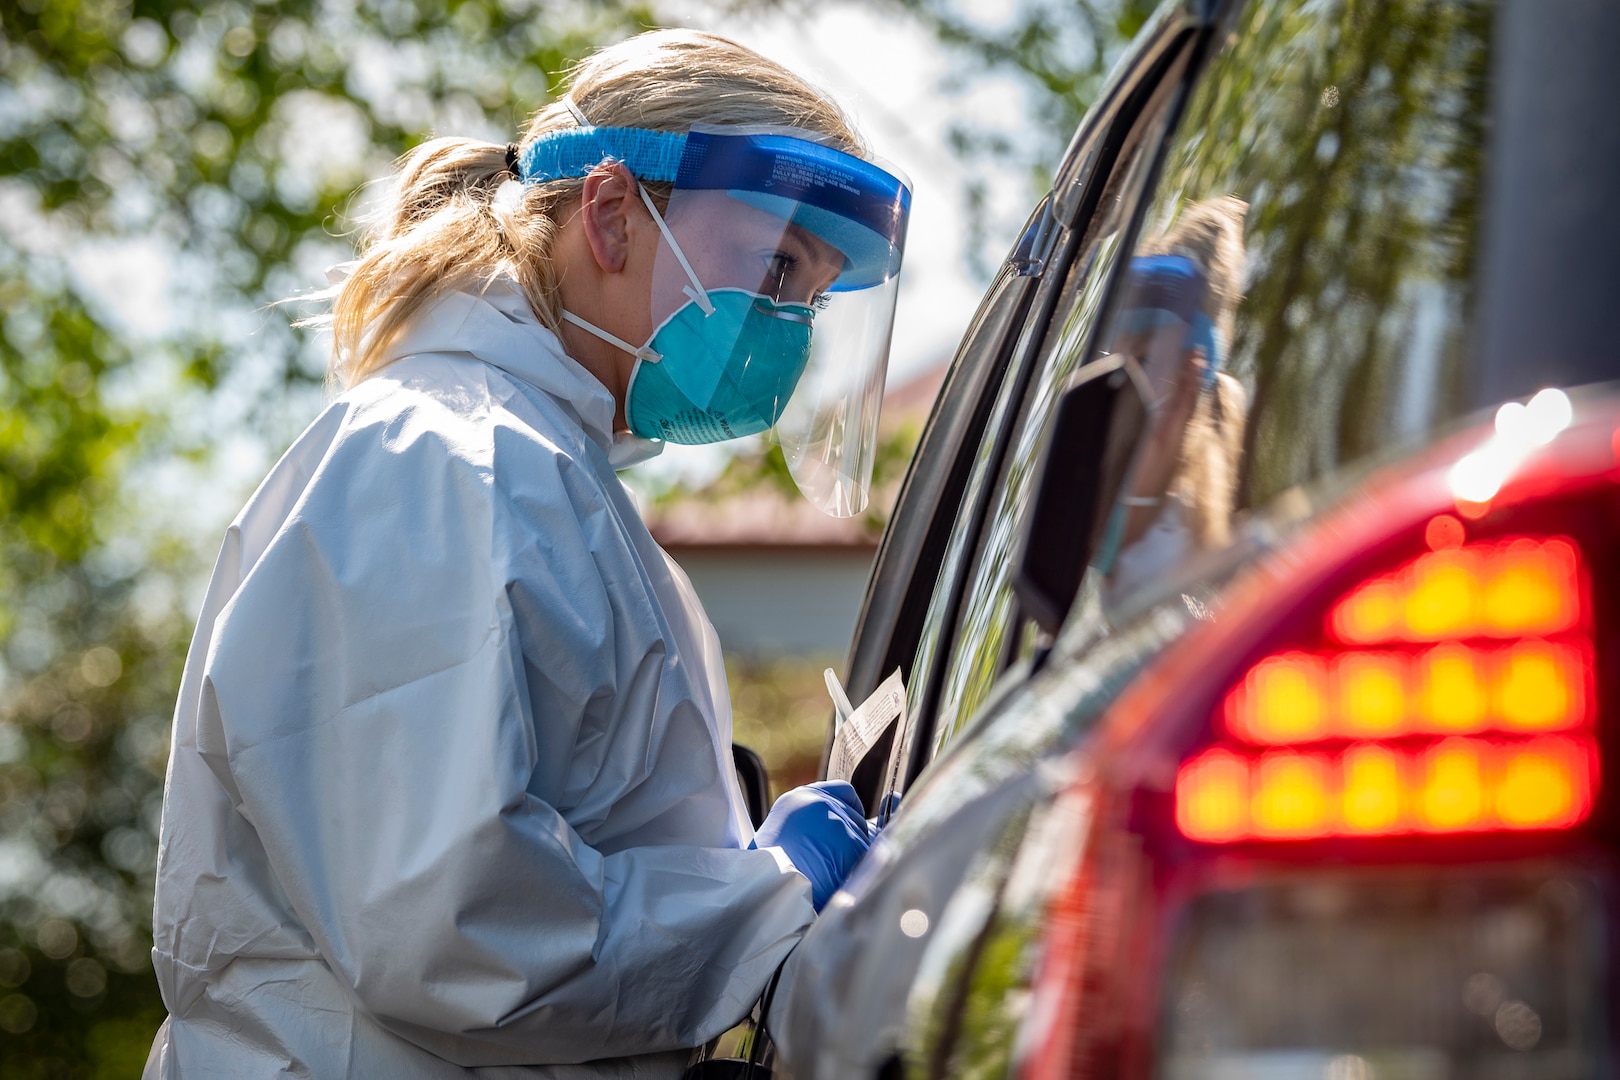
842,1003
1346,342
1056,272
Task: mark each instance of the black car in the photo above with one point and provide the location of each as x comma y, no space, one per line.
1253,585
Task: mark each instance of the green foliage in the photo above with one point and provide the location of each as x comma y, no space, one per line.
1060,51
780,710
1354,129
188,152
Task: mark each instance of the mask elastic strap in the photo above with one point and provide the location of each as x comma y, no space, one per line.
646,352
695,291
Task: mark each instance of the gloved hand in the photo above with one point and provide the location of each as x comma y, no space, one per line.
822,829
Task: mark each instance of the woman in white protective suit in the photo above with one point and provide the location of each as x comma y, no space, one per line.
450,790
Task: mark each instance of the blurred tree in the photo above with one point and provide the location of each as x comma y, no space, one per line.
1060,51
167,171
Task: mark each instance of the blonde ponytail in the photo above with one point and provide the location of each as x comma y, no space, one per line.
453,225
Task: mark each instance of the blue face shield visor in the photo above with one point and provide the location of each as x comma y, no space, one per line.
816,235
856,206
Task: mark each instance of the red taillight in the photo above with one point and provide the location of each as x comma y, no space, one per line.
1372,789
1453,689
1454,695
1513,589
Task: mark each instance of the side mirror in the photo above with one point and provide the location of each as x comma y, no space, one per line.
1095,428
755,781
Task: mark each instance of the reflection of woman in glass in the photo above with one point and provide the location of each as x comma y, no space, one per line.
1176,320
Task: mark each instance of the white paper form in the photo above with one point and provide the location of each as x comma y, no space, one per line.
866,726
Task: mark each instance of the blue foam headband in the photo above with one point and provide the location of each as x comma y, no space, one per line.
650,155
1201,333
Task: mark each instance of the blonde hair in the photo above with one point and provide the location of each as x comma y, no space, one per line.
445,231
1210,233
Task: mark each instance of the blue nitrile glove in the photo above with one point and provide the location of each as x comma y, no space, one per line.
822,829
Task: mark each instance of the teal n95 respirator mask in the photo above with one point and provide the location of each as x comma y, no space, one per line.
772,295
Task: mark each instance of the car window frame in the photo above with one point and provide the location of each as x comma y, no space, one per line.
1162,93
1091,157
913,545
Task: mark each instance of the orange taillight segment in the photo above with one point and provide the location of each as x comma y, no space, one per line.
1292,796
1372,692
1374,790
1522,587
1456,785
1456,700
1212,796
1452,786
1540,686
1545,783
1451,689
1283,700
1454,688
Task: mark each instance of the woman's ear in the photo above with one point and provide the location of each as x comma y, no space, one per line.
605,209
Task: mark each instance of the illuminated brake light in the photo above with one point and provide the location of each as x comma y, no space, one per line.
1374,790
1293,795
1527,687
1212,797
1545,784
1283,700
1540,687
1459,698
1455,785
1453,693
1371,690
1514,588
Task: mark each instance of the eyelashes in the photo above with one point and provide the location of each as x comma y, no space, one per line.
782,265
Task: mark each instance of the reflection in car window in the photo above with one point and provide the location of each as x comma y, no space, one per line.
931,643
987,617
992,326
1173,321
1298,298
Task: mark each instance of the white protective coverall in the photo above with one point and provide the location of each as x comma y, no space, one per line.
451,786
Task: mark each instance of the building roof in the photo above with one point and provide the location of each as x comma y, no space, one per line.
766,517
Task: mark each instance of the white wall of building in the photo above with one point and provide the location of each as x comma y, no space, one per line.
781,603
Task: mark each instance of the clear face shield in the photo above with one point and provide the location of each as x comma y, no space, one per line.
772,297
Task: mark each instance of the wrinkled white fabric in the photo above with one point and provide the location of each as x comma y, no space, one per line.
450,791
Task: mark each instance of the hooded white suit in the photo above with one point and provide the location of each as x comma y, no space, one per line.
451,786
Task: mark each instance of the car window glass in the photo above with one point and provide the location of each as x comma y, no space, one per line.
917,541
987,618
1298,296
931,642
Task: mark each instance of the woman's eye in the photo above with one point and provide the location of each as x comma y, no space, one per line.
778,267
781,270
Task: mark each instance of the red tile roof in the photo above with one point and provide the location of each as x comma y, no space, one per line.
768,517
